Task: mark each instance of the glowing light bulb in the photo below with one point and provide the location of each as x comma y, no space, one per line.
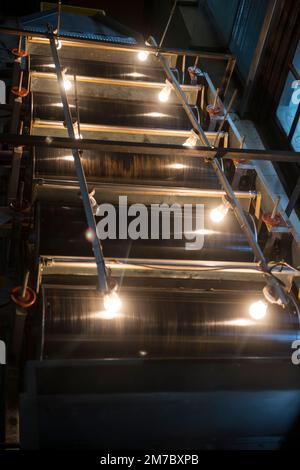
218,214
164,94
58,44
192,140
67,84
143,56
258,310
90,235
112,303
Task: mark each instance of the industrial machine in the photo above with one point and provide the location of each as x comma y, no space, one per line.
150,342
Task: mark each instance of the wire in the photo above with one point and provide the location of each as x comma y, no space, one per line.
168,24
254,225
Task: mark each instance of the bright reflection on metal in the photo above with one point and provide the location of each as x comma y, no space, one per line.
60,105
240,322
112,303
143,56
258,310
177,166
67,158
135,75
58,44
205,231
155,114
104,315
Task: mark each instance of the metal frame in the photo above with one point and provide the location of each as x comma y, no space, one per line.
212,159
237,209
44,36
157,268
101,270
150,149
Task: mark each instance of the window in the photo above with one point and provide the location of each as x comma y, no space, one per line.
288,111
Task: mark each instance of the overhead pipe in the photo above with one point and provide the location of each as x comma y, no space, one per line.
101,269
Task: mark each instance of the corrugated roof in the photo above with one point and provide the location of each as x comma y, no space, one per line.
76,26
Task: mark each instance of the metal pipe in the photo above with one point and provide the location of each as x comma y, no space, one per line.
238,211
25,284
101,270
149,148
168,24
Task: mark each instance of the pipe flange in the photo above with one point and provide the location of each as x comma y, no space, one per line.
21,93
19,52
16,206
213,110
27,300
272,221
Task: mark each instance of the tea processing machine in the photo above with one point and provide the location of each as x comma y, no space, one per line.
145,342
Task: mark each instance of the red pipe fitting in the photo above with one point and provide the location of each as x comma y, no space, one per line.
19,52
272,221
22,92
213,110
27,300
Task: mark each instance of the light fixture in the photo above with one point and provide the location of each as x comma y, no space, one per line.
258,309
164,94
58,44
192,140
112,303
67,84
90,234
77,130
218,213
143,55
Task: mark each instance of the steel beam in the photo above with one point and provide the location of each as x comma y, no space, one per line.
150,149
157,268
101,270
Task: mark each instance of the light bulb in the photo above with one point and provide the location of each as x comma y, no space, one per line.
112,303
143,56
67,84
164,94
58,44
192,140
218,214
258,310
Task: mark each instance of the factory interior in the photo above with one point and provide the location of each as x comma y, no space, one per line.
150,342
